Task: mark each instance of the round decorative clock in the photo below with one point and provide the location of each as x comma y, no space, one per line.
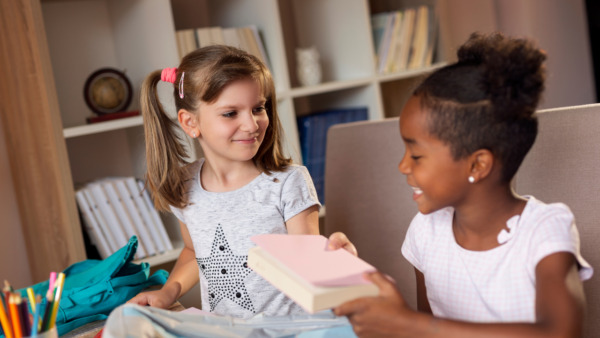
107,91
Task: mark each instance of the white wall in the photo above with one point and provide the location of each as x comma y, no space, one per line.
14,264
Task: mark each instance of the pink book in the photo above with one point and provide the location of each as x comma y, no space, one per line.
308,256
304,269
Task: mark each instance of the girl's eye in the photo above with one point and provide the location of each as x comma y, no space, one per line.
229,114
258,110
415,158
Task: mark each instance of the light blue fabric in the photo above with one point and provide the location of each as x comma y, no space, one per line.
132,320
93,288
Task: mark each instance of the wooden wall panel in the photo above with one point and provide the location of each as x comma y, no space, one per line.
37,151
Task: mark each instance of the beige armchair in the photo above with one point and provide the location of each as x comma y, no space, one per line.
369,200
564,166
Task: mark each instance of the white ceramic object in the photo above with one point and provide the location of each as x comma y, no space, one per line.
309,66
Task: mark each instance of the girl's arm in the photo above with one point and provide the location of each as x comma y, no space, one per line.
422,301
182,278
559,307
304,223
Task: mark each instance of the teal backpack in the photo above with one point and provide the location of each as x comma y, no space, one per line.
93,288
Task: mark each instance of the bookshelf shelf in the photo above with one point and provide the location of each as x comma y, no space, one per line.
101,127
165,257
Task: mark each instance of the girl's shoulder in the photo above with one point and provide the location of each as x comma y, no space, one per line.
537,211
292,170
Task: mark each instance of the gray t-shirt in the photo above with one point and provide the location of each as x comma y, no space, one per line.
221,224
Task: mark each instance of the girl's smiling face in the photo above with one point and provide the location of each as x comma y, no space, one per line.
437,179
233,127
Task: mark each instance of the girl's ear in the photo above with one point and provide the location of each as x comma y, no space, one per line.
189,122
482,163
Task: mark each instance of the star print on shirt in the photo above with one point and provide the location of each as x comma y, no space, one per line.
225,273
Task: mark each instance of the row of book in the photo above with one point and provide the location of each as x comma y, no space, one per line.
404,39
247,38
312,130
114,210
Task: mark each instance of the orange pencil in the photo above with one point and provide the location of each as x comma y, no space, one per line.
6,325
14,315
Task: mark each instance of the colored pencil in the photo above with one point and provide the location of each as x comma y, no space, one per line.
31,297
51,280
60,282
24,315
4,320
36,316
47,311
14,315
6,290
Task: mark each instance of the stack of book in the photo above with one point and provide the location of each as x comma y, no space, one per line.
114,209
312,130
247,38
404,39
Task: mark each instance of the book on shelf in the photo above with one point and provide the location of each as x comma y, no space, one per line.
115,209
304,269
140,226
404,39
407,33
186,41
91,225
112,116
312,130
99,217
158,224
247,38
419,43
108,214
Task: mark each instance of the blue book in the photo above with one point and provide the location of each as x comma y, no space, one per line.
313,139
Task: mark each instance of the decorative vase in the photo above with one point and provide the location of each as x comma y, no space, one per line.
309,67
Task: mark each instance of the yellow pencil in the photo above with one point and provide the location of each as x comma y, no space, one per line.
60,282
31,297
6,325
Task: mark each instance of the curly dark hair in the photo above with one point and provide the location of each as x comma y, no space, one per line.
487,99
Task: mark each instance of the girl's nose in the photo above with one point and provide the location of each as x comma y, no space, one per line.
403,166
250,123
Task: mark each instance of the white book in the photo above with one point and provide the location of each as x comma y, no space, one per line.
407,38
134,213
108,213
138,199
122,215
204,37
216,35
91,225
419,45
110,238
261,45
230,36
385,44
156,218
395,42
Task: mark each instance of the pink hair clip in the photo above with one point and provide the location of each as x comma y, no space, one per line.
168,75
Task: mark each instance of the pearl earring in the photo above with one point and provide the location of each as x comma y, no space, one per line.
471,179
194,134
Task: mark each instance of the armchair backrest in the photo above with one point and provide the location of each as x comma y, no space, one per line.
564,166
367,198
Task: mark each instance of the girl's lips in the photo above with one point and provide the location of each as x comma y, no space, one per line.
247,141
417,192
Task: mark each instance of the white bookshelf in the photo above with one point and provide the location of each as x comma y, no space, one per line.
138,36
